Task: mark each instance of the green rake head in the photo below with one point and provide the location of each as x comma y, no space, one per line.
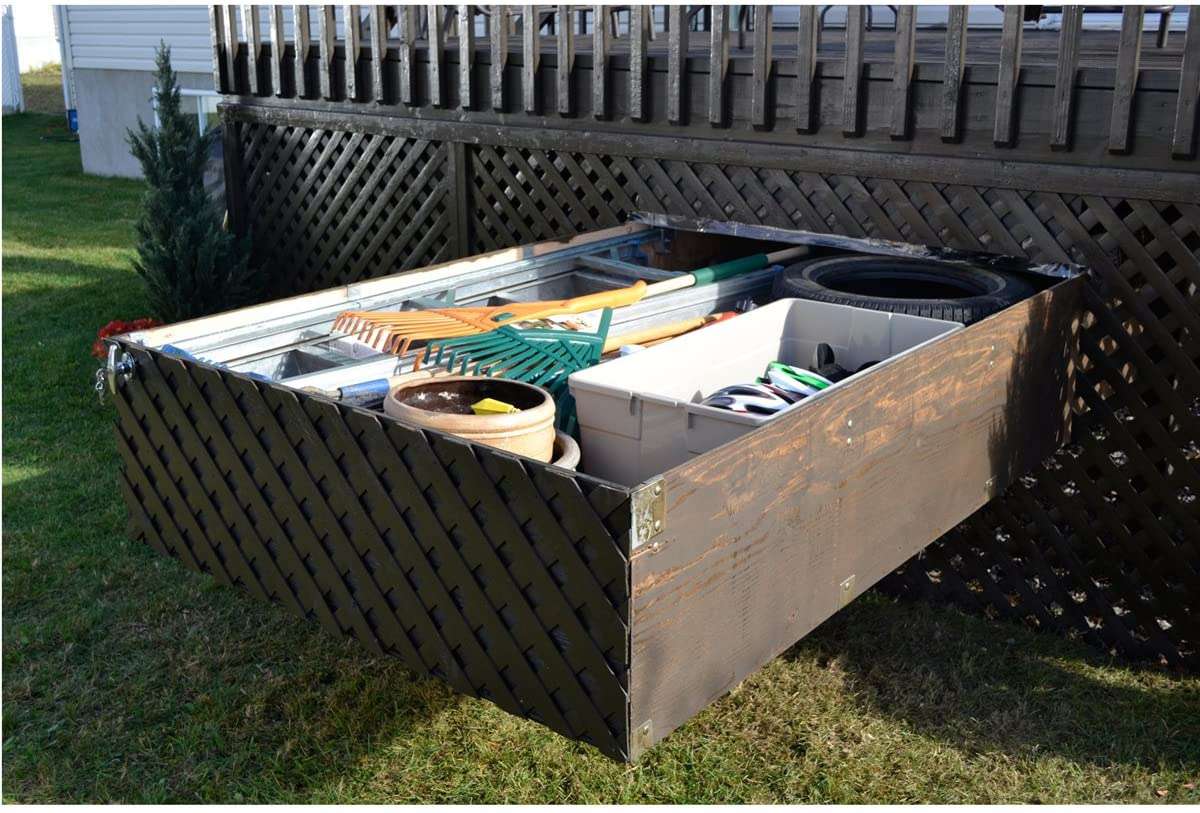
539,356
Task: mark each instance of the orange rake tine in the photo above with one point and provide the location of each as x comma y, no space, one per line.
397,329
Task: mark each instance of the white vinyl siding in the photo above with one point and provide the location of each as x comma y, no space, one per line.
125,37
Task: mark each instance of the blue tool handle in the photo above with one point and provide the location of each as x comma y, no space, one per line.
177,352
365,391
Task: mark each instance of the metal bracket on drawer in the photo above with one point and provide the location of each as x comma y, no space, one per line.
649,503
115,372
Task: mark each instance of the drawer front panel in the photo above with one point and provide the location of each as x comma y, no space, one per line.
766,537
507,580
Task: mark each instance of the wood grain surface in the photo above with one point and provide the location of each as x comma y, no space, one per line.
763,534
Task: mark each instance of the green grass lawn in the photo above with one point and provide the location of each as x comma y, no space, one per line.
128,678
43,90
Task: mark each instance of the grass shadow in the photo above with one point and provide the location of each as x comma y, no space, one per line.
987,687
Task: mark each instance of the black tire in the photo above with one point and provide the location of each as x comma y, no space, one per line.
902,285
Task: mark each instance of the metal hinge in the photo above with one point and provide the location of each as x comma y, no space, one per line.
643,738
649,504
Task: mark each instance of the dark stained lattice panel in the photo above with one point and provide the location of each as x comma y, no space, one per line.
328,207
506,581
1102,541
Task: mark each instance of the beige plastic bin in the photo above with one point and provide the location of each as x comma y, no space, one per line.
639,415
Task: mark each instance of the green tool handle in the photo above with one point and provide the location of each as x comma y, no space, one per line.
720,271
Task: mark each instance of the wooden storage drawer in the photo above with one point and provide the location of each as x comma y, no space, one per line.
609,613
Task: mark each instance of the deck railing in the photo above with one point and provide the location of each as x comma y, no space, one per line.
724,67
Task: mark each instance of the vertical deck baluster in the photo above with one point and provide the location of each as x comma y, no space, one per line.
1064,77
566,60
231,48
302,37
1003,133
852,77
406,25
762,67
902,70
718,64
677,53
437,55
466,54
252,25
1183,138
379,39
216,30
808,30
530,57
326,31
498,35
352,48
637,63
278,48
955,64
600,62
1129,49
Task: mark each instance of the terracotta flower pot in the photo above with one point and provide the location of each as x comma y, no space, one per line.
566,451
444,404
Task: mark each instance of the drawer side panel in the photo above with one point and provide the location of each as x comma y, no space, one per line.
767,537
506,579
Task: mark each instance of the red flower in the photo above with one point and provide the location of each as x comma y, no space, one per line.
117,327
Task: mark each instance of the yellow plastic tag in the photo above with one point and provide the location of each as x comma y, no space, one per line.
490,406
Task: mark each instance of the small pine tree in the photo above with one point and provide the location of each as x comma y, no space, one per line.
191,265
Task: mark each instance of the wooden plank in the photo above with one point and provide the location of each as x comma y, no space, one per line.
302,35
565,45
1065,72
252,28
379,40
498,37
1183,137
852,77
352,49
1129,49
466,54
278,49
1004,130
762,66
955,169
718,64
677,53
216,30
765,538
235,193
437,55
955,63
326,30
231,48
902,70
638,108
809,35
406,56
530,57
600,62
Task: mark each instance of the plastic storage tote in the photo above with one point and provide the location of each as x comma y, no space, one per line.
641,414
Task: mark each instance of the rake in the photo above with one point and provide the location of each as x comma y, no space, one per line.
545,357
395,331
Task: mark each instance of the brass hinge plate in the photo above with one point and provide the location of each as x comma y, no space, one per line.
649,503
